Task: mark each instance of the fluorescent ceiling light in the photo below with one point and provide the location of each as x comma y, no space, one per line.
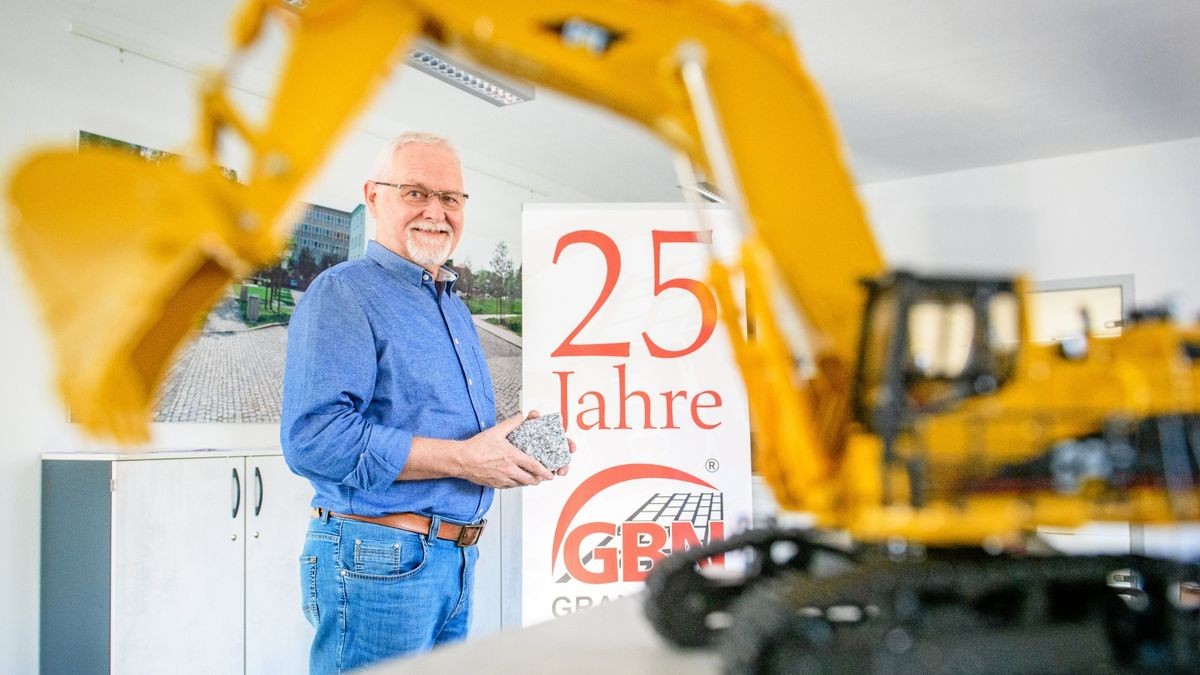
486,86
707,191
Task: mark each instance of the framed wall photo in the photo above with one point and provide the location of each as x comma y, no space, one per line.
232,369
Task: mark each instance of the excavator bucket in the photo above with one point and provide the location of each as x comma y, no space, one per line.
126,258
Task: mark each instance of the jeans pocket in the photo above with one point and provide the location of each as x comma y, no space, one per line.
393,557
308,589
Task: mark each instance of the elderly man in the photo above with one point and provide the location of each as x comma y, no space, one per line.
389,411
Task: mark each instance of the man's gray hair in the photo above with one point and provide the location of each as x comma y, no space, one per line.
383,161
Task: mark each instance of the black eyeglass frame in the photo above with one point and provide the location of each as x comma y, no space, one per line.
430,193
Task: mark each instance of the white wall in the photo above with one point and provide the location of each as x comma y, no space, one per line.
1129,211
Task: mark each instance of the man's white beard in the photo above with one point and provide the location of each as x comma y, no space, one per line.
424,254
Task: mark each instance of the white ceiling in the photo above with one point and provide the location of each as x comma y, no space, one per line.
917,86
927,86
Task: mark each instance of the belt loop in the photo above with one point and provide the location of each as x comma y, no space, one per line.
324,515
435,524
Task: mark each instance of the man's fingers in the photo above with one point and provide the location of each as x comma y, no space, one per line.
515,476
523,479
532,466
533,414
570,445
526,478
506,426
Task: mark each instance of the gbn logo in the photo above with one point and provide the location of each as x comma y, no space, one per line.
641,545
603,552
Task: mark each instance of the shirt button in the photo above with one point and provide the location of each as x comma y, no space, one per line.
455,340
470,382
426,277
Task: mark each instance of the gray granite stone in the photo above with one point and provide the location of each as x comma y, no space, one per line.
543,439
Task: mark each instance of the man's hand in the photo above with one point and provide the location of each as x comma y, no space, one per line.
489,459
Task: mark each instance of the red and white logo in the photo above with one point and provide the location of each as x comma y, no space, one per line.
627,547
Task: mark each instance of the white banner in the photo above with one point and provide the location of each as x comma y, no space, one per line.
622,338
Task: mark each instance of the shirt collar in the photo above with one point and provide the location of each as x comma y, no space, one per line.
405,268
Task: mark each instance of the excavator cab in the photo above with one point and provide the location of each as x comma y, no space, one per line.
929,343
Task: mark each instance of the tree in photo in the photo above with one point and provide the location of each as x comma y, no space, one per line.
466,281
328,260
516,284
502,266
276,278
306,267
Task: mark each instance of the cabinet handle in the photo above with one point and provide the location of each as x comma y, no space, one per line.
237,493
258,480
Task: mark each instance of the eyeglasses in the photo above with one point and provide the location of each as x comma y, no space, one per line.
419,196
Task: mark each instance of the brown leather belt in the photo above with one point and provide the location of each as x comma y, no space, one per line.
463,535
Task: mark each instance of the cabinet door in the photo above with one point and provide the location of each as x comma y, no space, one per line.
178,565
277,636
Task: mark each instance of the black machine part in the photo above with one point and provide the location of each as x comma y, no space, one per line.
962,610
690,608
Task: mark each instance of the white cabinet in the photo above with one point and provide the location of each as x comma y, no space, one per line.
277,636
177,566
172,563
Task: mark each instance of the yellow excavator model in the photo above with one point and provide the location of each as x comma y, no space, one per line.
919,421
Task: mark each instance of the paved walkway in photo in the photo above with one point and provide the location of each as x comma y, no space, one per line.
502,349
227,377
232,373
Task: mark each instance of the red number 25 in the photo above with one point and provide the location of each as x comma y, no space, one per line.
612,260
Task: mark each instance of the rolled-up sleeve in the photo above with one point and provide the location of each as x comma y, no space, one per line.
329,379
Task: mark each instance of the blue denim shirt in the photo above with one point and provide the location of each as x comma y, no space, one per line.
377,354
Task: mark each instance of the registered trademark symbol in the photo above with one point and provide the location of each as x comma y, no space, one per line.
712,465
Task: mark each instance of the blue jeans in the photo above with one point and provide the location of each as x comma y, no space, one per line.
375,593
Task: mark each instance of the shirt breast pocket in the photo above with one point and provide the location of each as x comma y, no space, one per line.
485,377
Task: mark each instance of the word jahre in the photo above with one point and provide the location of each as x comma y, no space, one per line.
656,411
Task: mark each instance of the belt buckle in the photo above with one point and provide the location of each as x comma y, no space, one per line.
469,535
